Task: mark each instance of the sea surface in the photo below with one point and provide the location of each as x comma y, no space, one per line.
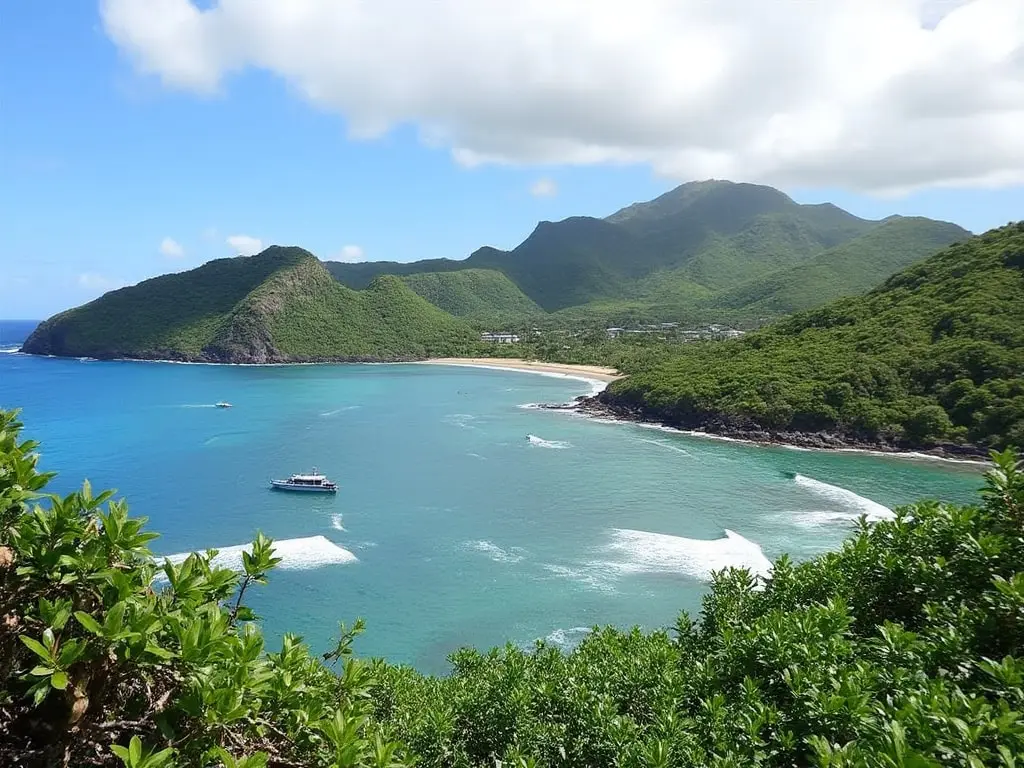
465,517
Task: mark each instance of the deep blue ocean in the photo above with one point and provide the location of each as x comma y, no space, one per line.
452,527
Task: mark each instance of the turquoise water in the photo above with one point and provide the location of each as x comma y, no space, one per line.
463,531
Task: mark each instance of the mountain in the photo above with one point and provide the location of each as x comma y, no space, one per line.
670,256
853,267
280,305
934,355
477,294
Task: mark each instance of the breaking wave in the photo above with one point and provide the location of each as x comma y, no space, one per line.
567,639
540,442
496,553
844,498
645,552
336,523
296,554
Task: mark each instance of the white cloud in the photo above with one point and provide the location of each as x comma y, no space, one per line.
91,281
171,248
245,244
544,188
351,253
877,95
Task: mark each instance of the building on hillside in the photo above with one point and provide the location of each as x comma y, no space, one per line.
614,333
500,338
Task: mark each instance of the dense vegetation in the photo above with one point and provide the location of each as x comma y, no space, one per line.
673,257
276,306
901,650
844,270
482,295
934,354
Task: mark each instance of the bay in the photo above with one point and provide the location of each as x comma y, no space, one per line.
464,531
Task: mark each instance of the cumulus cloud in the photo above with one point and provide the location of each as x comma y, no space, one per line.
245,244
92,281
544,188
875,95
351,253
171,248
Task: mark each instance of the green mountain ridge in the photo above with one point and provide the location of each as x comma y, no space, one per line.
281,305
934,355
851,268
671,258
478,294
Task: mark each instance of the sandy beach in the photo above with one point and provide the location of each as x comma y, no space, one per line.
596,372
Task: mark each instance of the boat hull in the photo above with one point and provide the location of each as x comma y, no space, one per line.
282,486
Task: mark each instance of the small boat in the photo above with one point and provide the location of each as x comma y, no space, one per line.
222,404
314,483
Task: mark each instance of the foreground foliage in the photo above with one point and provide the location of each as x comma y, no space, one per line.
902,649
936,353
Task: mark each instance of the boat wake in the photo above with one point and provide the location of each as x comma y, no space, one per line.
296,554
540,442
850,501
666,446
496,553
336,411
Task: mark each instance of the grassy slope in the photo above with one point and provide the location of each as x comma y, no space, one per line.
479,294
279,305
936,353
847,269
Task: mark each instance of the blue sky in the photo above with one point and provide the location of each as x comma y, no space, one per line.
100,163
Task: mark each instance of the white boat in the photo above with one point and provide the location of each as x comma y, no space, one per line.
222,404
314,483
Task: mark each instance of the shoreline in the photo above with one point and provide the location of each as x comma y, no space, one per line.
589,406
590,373
594,408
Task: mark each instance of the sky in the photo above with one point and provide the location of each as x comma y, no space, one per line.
139,137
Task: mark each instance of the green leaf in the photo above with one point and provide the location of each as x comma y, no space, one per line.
88,622
135,750
37,648
59,680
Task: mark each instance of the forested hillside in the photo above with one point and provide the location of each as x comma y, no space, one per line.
704,250
935,354
280,305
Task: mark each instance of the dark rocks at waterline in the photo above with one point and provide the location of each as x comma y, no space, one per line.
605,406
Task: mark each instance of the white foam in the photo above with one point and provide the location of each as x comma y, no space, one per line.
496,553
540,442
845,498
296,554
462,420
9,350
645,552
567,639
595,575
336,523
